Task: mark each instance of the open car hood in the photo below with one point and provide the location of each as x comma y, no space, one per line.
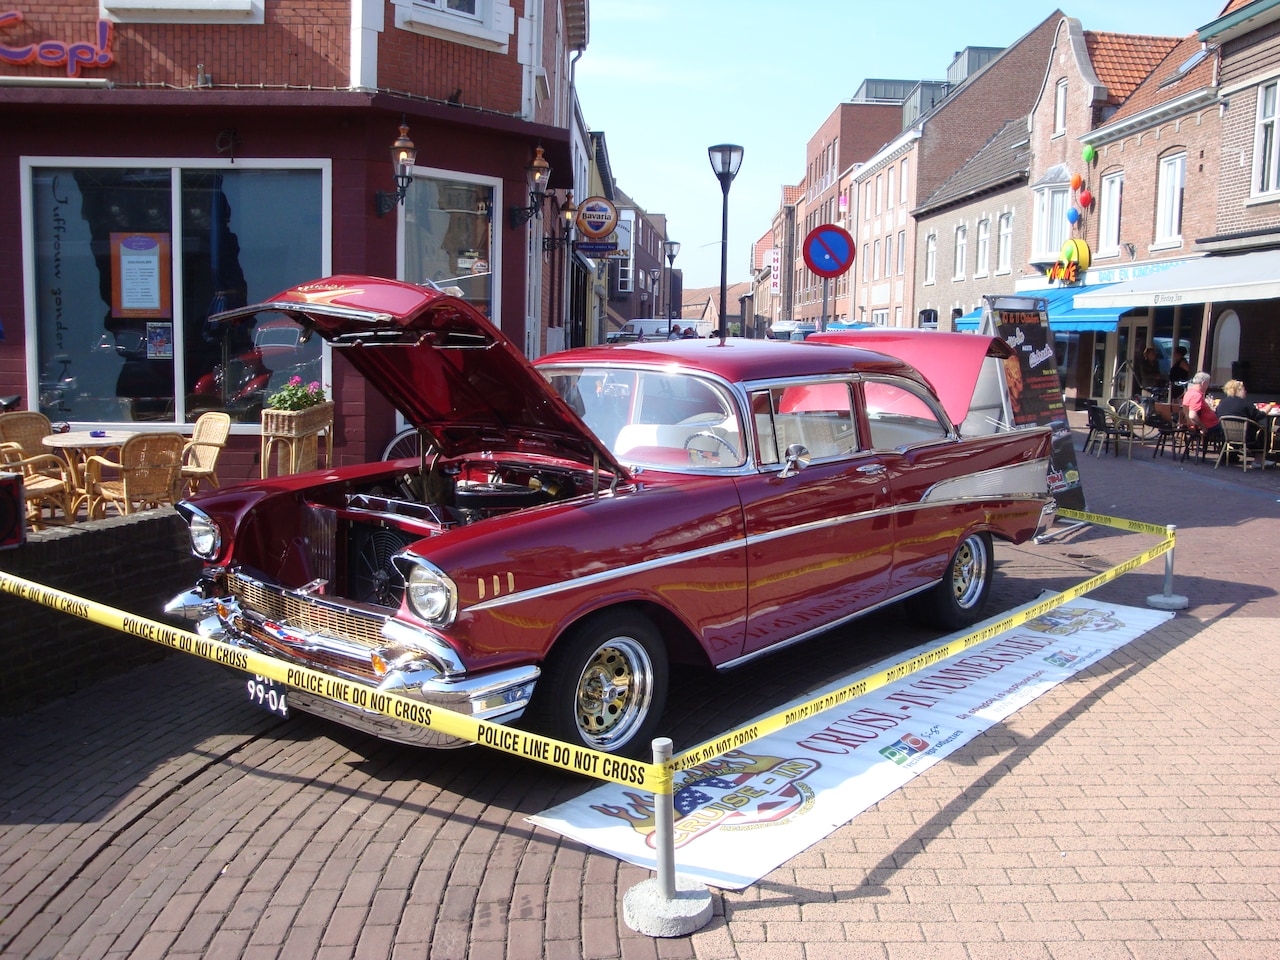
951,362
446,368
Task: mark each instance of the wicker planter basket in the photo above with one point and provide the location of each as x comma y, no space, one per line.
297,423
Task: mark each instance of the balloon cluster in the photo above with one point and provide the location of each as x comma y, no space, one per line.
1083,197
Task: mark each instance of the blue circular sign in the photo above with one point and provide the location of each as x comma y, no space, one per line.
828,250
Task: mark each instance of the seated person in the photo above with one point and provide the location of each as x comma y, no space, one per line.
1179,371
1201,417
1148,370
1234,404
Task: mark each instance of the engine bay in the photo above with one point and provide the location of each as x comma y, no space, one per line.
377,520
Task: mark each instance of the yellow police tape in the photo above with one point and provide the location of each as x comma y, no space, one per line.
653,777
602,766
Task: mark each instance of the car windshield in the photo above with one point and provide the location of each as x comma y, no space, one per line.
669,421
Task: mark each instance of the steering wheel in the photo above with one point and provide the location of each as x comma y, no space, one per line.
712,453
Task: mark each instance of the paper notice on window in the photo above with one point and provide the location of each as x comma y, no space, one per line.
140,275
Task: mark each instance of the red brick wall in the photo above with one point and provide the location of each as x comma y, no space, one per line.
1006,89
302,43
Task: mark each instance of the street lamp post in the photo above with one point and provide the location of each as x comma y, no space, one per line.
726,158
672,248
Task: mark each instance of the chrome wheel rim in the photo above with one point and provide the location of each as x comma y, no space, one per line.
614,693
969,571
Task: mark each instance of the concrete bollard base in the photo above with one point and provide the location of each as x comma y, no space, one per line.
647,911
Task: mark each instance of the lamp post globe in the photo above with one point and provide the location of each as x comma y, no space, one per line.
725,158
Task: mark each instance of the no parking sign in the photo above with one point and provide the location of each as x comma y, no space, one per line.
828,250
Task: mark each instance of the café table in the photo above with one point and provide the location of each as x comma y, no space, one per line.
77,446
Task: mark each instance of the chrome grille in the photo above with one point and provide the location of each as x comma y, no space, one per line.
309,615
320,526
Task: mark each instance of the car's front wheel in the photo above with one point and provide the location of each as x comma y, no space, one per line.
958,600
604,685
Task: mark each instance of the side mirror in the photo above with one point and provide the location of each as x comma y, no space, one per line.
797,458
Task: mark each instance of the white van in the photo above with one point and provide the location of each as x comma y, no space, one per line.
653,329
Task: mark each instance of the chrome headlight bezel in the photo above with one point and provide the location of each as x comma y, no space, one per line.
430,593
205,534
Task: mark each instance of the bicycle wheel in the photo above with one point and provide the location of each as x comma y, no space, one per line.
406,443
1135,416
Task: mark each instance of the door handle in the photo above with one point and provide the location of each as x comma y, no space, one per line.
872,468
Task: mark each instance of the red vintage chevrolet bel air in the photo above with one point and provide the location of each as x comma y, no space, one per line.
577,524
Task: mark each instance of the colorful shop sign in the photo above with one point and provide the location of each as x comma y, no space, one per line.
55,53
597,218
1073,260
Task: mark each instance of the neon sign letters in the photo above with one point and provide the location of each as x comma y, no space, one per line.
54,53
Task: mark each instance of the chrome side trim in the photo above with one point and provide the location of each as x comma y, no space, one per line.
621,573
1030,478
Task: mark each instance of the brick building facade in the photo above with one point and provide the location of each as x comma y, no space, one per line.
213,153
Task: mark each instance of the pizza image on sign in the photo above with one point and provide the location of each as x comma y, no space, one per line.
597,218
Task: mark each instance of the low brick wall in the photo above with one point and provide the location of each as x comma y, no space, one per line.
136,564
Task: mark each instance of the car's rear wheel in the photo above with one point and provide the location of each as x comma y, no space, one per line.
958,600
604,685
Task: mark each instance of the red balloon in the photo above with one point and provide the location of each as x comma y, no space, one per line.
1086,198
1076,180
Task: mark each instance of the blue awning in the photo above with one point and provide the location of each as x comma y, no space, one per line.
1063,314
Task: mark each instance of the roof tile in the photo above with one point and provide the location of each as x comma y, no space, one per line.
1123,60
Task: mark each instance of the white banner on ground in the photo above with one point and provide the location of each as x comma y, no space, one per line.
745,813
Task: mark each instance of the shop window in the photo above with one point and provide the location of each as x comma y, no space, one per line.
448,238
130,263
487,24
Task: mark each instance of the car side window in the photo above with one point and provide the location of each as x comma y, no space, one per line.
899,417
817,415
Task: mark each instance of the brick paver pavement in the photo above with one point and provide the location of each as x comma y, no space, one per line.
1131,812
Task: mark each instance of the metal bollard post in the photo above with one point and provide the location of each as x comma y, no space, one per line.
664,905
664,823
1168,600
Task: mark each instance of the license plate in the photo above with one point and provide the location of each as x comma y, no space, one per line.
269,695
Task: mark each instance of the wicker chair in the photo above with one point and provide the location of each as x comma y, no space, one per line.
27,428
200,455
147,474
46,481
1241,437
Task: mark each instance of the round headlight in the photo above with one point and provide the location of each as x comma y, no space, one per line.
431,594
205,537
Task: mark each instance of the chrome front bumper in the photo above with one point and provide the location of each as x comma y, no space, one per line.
498,695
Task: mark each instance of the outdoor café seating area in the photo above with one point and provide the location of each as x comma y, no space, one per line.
1164,427
74,476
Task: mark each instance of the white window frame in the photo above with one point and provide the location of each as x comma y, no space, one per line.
1110,213
888,255
1169,192
982,261
875,263
182,11
931,259
902,252
1050,228
1004,243
903,182
961,253
890,185
1266,152
489,28
1060,108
